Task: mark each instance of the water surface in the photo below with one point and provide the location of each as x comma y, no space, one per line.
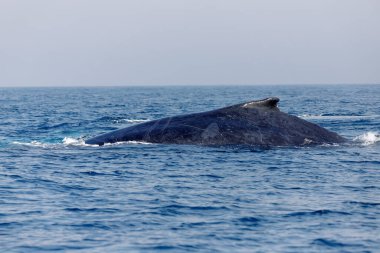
58,194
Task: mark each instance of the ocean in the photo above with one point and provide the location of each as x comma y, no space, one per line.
58,194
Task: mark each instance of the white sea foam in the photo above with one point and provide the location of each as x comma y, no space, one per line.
131,120
308,116
77,142
368,138
69,141
32,144
127,142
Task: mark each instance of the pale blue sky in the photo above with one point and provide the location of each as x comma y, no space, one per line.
182,42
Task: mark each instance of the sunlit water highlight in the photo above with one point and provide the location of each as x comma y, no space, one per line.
57,193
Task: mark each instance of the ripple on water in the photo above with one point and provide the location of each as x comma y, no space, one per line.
316,213
333,243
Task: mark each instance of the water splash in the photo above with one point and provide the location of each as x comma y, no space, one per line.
368,138
74,142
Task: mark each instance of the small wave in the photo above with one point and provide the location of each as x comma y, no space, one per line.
249,220
316,213
333,243
364,204
338,117
368,138
92,210
177,209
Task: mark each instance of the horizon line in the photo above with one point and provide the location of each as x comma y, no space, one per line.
179,85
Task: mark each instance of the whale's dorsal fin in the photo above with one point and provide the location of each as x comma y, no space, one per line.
270,103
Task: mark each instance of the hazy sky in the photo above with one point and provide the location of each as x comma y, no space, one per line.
146,42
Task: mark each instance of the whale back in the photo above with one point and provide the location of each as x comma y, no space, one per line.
258,122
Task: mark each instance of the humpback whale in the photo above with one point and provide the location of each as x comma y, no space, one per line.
257,123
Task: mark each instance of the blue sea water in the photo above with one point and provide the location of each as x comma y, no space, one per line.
57,194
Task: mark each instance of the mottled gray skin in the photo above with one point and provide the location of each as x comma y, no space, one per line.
258,123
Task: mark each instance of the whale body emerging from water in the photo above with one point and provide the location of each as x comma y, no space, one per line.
257,123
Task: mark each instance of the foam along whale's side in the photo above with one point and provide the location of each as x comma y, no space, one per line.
258,123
